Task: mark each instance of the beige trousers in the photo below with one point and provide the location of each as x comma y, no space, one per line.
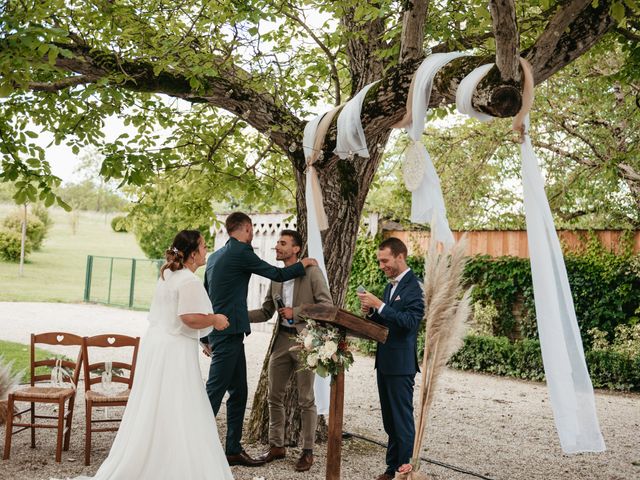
281,364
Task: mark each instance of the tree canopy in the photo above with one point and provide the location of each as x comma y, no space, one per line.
222,88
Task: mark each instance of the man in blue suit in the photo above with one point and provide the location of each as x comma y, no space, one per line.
401,311
227,276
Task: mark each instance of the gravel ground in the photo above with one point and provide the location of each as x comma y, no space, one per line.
497,427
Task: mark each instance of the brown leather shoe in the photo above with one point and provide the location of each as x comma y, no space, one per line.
385,476
274,453
304,462
244,459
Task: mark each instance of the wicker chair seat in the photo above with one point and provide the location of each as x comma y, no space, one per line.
103,398
43,393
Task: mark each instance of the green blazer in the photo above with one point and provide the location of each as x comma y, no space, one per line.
227,278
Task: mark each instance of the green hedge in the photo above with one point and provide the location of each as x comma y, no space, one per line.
606,294
522,359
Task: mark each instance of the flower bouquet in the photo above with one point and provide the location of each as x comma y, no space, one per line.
323,349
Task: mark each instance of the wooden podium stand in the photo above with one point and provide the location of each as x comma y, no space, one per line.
352,325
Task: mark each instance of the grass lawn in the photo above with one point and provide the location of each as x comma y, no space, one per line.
57,272
19,353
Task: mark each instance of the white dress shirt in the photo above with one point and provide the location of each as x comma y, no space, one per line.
394,283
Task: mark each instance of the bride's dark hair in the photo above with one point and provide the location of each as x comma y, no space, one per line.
184,244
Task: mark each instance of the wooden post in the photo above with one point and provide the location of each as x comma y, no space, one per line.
349,324
334,444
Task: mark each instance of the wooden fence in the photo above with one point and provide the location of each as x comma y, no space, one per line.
498,243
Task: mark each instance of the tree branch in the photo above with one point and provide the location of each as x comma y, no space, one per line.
63,84
412,38
564,153
332,58
628,34
557,47
230,90
364,40
505,31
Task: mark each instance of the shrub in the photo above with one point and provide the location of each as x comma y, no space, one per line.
523,359
118,224
10,245
40,211
36,230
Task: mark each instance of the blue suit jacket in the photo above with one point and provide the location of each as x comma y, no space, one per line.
227,278
402,315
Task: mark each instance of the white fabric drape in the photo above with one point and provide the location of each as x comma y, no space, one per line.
321,386
350,138
568,381
427,201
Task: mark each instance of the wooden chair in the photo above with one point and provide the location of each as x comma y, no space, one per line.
63,396
95,398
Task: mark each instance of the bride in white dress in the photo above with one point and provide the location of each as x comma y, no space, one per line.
168,431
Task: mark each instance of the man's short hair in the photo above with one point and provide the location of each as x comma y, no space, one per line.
236,220
396,246
295,236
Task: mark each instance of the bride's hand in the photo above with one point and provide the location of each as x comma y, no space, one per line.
220,321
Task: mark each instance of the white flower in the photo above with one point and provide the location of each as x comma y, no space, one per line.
312,360
308,342
328,349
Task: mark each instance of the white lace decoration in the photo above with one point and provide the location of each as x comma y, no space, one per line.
419,174
413,166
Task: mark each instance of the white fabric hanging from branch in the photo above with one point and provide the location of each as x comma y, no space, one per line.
350,138
314,134
568,381
420,176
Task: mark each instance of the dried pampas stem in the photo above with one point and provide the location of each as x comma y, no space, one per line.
8,381
447,307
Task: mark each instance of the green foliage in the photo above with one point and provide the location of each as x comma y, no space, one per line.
36,230
585,152
523,359
503,283
166,208
40,211
500,356
365,272
10,244
86,195
626,340
119,224
604,287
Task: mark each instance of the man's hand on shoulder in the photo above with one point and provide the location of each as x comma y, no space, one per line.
309,262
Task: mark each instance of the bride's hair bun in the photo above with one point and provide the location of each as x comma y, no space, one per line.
184,244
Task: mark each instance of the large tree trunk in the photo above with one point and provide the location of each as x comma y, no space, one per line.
345,184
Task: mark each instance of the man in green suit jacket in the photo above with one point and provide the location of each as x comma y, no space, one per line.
227,276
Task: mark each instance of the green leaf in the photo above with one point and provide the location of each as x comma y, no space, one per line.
63,204
5,89
618,11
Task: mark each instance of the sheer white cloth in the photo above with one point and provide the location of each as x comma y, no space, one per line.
568,381
168,430
350,137
427,201
321,386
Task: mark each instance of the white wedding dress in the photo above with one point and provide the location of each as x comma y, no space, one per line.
168,430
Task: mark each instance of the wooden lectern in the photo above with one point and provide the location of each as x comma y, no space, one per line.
351,325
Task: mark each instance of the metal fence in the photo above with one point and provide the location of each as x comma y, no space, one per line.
124,282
